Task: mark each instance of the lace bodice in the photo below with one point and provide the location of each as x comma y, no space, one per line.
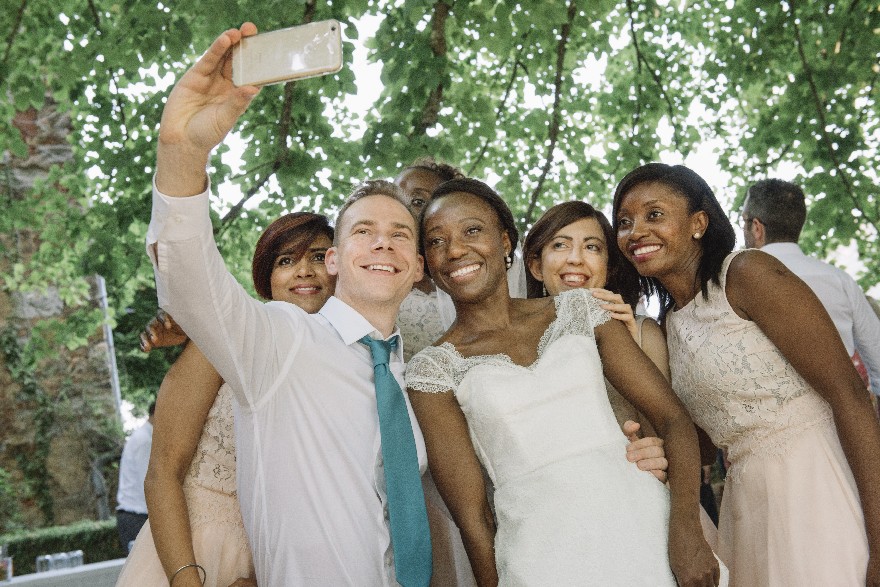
419,320
735,382
213,465
567,501
441,368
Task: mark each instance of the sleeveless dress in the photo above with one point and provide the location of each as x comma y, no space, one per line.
790,514
570,509
218,535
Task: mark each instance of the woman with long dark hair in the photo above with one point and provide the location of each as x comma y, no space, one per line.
761,368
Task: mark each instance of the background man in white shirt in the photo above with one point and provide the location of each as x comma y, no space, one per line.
310,468
774,213
131,505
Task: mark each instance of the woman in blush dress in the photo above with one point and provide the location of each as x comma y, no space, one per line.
194,535
761,368
516,386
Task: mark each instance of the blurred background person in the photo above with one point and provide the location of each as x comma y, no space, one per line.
774,213
131,508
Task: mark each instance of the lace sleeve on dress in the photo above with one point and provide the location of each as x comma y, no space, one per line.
429,372
578,311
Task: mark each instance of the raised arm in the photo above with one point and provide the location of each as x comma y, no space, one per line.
236,333
762,289
201,110
458,476
639,381
185,397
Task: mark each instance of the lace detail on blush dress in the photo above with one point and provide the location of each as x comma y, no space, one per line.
218,536
210,482
791,513
735,382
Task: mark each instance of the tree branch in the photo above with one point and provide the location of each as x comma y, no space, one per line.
555,118
820,113
500,110
762,167
842,36
641,58
12,33
282,151
431,111
117,102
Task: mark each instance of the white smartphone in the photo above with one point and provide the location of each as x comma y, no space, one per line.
288,54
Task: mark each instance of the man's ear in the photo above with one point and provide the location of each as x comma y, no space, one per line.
759,232
420,269
331,258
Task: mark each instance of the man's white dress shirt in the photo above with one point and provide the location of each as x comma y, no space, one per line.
133,469
844,301
309,462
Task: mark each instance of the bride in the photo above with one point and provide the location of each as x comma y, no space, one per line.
516,385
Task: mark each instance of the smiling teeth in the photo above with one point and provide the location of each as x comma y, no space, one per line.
574,279
387,268
464,271
646,249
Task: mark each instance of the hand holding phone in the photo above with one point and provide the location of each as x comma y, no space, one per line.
293,53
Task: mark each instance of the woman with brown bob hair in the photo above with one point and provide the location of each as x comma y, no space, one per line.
572,246
194,535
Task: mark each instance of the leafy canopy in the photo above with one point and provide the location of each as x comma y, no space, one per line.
550,101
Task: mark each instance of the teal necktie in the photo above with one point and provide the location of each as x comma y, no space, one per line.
410,536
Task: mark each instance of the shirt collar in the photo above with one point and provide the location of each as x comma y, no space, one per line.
351,326
782,248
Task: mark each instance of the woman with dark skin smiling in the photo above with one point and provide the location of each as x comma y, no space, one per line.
532,409
194,535
761,368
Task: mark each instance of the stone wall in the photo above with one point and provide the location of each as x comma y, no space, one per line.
80,412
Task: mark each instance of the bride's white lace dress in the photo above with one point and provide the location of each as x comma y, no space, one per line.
570,509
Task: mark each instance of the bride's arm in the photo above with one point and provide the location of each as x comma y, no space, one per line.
639,381
458,476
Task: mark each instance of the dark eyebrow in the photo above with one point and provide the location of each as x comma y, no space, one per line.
290,251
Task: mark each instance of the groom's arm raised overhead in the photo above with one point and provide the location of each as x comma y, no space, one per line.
232,329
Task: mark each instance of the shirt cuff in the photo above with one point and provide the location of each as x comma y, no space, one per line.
178,219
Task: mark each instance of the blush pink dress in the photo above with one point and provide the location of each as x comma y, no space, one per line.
219,539
790,514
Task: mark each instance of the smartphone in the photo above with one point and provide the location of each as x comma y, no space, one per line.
288,54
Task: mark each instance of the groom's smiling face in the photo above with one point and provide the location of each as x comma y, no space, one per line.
376,254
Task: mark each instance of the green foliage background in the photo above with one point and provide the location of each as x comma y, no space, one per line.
500,88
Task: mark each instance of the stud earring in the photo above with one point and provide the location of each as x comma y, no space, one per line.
697,235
